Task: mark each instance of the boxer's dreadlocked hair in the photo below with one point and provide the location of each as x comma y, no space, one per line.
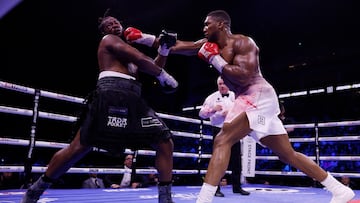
101,20
221,15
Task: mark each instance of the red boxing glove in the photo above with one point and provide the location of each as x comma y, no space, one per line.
132,35
208,50
210,53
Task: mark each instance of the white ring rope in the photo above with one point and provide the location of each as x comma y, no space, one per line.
27,90
184,119
27,112
41,169
329,89
54,116
21,142
295,173
341,123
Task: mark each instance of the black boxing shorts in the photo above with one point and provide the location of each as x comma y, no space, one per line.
117,118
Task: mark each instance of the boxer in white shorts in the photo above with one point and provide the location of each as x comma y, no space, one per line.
236,58
260,104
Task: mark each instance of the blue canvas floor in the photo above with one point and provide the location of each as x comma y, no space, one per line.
182,194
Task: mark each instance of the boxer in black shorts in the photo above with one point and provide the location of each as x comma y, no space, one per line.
116,116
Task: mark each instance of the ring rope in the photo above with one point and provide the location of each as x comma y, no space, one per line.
44,144
184,134
26,112
28,90
41,169
54,116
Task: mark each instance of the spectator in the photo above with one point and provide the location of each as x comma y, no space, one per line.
9,180
127,179
93,182
348,182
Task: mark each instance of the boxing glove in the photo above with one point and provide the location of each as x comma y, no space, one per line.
166,41
209,52
168,83
132,35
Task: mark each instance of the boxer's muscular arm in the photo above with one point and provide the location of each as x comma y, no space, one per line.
245,63
128,54
134,35
160,60
187,48
163,43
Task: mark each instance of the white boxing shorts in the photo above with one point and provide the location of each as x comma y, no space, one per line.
260,103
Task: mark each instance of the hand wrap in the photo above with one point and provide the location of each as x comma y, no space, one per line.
168,82
166,41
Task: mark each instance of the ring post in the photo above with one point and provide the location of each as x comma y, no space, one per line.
28,161
200,147
317,150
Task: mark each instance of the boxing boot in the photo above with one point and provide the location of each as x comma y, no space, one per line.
340,192
238,189
34,192
206,194
165,194
218,193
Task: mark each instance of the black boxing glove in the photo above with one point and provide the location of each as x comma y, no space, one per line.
166,41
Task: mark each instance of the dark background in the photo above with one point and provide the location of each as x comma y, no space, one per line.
51,45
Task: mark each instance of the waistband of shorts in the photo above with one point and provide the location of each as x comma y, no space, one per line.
113,83
108,73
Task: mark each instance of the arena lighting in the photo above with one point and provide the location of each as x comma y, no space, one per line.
293,94
300,93
284,95
355,85
329,89
343,87
346,87
317,91
7,5
188,108
191,108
